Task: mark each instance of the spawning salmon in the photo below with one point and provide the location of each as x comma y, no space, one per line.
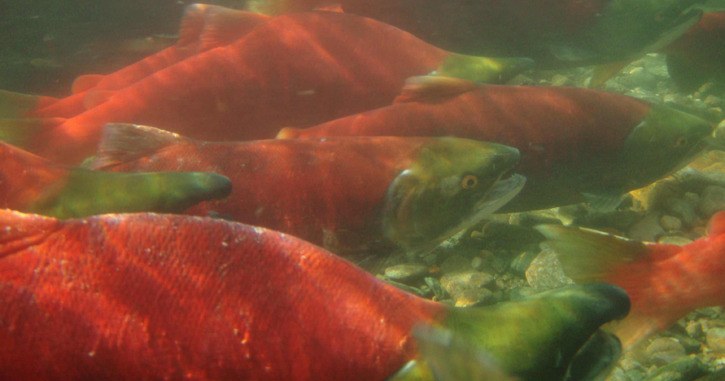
146,296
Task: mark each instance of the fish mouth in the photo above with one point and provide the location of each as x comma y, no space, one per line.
504,189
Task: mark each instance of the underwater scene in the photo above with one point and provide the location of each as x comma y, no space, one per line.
401,190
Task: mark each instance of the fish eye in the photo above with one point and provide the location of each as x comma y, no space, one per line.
680,142
469,181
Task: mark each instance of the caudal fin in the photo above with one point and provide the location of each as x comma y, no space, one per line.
588,255
592,256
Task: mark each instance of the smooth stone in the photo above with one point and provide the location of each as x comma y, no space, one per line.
715,338
684,369
454,263
406,271
477,263
664,350
670,223
560,80
456,283
545,272
712,201
647,229
695,329
683,209
474,297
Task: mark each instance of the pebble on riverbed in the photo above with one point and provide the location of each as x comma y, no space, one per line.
469,288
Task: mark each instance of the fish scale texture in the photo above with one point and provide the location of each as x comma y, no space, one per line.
167,297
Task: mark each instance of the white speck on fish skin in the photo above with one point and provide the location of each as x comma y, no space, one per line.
306,92
91,353
225,244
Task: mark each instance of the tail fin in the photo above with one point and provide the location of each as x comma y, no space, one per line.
205,26
123,142
19,230
592,256
589,255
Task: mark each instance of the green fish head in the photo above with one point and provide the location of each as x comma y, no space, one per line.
88,192
452,184
663,142
628,28
539,337
483,69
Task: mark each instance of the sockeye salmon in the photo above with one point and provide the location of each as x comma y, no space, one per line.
555,33
203,27
347,194
699,55
145,296
32,184
576,144
297,69
664,281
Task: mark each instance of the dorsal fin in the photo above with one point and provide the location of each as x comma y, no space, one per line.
20,230
191,25
588,255
123,142
431,88
716,226
86,82
207,26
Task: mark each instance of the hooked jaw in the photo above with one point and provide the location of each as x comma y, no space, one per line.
453,184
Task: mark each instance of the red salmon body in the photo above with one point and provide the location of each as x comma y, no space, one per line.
554,128
669,281
699,55
203,27
512,27
299,69
141,297
333,192
25,177
663,281
549,125
573,141
327,192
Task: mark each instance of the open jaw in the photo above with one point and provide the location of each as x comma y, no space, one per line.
503,190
